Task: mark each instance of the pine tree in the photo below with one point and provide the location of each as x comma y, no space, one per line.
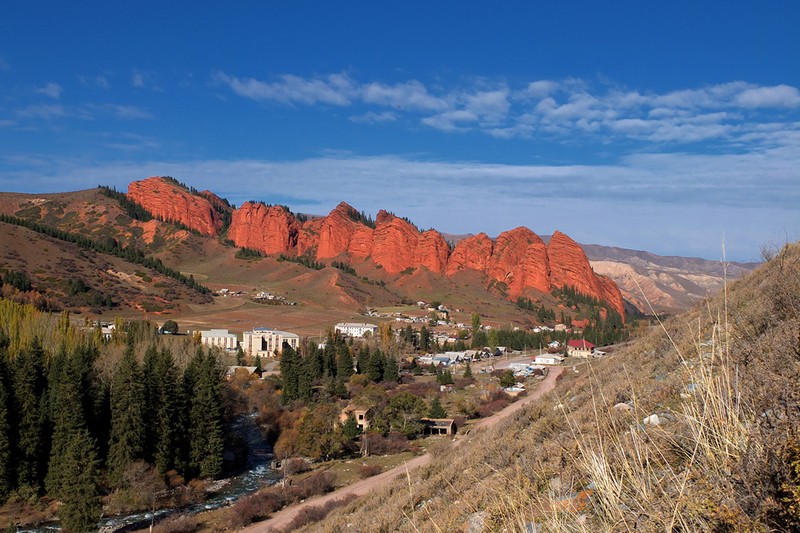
6,457
350,429
305,379
81,507
391,372
468,371
68,418
29,406
344,364
127,416
375,366
290,371
362,361
206,431
167,421
436,410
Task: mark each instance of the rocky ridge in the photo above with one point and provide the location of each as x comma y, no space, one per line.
517,261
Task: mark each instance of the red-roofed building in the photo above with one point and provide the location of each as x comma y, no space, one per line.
579,348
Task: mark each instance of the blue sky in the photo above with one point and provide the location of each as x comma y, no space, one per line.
670,127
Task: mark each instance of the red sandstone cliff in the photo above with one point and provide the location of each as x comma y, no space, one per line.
471,253
570,266
394,243
167,200
269,229
432,251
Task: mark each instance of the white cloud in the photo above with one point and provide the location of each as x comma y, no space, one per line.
144,79
777,96
52,90
100,81
371,117
43,111
750,197
411,95
568,109
336,89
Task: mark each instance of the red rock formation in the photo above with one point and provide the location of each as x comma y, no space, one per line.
533,271
508,253
471,253
361,242
269,229
569,266
308,237
394,243
432,251
218,203
336,232
169,201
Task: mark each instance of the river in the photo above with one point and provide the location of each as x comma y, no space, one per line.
257,474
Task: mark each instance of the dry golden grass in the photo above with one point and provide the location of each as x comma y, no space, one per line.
722,379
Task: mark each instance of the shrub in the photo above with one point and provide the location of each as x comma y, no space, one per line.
177,524
366,470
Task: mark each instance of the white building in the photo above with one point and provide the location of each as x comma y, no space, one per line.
548,359
266,342
220,338
353,329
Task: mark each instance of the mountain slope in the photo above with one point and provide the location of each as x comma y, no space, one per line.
667,283
690,429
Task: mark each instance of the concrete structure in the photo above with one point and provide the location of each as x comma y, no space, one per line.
439,426
548,359
265,342
220,338
359,414
352,329
579,348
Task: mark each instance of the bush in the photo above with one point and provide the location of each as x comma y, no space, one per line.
366,470
177,524
315,513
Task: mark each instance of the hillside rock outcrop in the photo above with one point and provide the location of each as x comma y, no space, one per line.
432,251
570,266
167,200
471,253
269,229
394,243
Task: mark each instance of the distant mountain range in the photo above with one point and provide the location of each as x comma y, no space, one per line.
197,231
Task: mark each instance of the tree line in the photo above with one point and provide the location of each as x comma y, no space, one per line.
72,434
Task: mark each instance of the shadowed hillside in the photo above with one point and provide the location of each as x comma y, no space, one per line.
690,428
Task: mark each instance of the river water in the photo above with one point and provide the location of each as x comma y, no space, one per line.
258,474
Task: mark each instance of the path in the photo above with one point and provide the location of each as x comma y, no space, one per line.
284,517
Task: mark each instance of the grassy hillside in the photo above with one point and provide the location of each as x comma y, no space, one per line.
694,427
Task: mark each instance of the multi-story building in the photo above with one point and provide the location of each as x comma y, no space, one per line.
220,338
352,329
266,342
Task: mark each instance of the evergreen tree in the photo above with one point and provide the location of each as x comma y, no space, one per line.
362,361
152,397
29,406
127,416
436,410
305,380
344,364
424,339
468,371
81,507
68,419
375,366
391,372
206,428
290,371
329,359
350,429
6,457
167,420
240,360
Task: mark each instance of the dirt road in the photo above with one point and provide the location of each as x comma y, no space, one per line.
283,517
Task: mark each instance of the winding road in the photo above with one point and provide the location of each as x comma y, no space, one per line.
285,516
